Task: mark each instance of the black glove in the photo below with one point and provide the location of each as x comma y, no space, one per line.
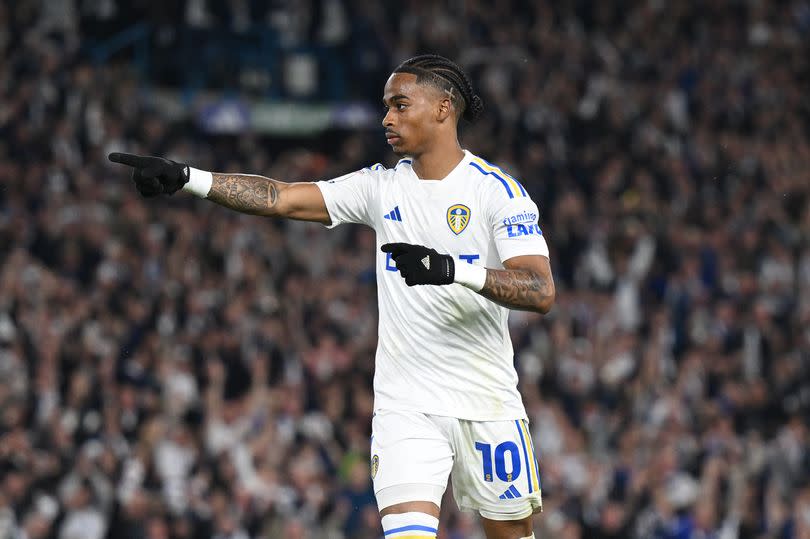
421,265
153,175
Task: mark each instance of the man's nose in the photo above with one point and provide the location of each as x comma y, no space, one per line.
388,119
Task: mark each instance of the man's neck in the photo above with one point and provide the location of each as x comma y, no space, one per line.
437,163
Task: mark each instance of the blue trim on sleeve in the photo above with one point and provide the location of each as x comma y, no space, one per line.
522,190
503,181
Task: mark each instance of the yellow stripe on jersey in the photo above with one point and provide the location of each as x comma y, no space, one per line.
517,189
532,462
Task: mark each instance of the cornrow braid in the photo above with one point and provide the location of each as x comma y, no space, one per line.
448,76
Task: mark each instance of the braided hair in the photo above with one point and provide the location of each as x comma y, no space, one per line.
445,75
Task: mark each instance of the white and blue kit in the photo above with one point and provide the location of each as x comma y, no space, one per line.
445,386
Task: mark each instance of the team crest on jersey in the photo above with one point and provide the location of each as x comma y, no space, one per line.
458,216
375,465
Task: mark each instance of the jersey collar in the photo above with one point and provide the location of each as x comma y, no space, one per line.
439,186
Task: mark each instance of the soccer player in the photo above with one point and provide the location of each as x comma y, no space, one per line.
445,388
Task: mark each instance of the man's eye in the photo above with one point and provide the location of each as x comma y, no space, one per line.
401,106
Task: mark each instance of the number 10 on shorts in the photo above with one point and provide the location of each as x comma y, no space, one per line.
500,458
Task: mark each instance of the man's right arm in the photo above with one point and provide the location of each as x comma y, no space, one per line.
258,195
246,193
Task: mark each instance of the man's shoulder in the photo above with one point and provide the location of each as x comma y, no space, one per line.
495,180
381,171
371,172
376,167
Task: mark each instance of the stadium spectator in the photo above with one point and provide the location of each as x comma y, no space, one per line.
160,382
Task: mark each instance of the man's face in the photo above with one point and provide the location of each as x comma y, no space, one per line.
411,115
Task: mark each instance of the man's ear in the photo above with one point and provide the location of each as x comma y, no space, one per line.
445,109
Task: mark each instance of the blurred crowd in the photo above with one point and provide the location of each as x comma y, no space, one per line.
173,370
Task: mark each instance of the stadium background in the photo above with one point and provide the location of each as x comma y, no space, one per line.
169,369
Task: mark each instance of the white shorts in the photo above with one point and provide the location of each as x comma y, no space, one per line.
491,463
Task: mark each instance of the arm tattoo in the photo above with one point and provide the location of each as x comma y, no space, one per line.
245,193
518,289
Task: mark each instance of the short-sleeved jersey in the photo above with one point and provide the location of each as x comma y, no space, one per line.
442,350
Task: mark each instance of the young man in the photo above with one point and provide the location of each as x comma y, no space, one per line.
445,386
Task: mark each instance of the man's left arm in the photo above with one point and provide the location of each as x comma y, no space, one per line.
525,283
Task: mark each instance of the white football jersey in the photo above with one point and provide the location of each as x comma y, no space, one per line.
442,350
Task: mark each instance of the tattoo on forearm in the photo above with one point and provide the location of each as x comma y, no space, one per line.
246,193
518,289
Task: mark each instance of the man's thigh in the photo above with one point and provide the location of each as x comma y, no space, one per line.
411,458
495,471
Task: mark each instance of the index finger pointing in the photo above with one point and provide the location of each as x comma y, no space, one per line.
394,248
129,159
